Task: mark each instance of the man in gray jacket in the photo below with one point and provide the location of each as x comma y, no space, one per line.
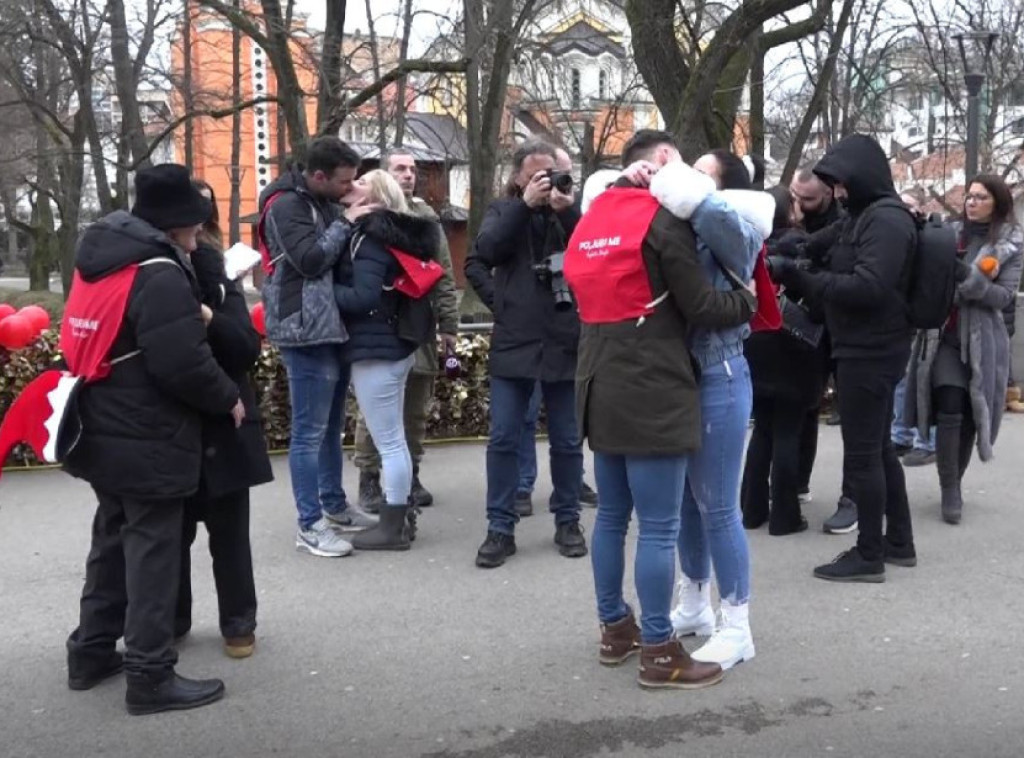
419,390
306,233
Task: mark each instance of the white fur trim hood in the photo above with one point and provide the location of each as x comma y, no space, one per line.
681,189
596,184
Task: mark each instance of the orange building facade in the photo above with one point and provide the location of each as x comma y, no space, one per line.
211,63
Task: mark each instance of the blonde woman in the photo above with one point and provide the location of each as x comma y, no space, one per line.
380,359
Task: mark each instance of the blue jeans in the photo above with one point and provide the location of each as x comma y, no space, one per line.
380,391
655,486
901,434
528,445
510,400
712,528
317,384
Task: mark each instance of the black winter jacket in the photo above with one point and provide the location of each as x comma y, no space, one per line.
364,278
531,339
782,367
863,291
142,425
233,459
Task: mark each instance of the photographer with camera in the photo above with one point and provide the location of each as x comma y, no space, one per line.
516,268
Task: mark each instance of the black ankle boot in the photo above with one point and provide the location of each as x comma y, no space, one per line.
166,691
948,461
420,495
86,671
389,534
371,497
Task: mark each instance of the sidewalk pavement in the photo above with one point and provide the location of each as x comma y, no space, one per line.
422,654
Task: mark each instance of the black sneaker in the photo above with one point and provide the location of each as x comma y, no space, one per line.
918,457
850,566
524,504
844,520
496,548
899,555
587,496
570,541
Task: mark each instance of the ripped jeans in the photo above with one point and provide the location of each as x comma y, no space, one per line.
712,528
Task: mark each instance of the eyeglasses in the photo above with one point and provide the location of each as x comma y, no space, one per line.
977,198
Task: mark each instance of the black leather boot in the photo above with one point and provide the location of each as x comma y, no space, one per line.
389,534
420,495
166,691
86,671
371,497
948,461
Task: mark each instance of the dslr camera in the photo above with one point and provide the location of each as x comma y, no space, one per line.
552,272
560,180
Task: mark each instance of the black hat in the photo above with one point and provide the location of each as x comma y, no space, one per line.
166,198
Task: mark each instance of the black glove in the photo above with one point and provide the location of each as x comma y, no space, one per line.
780,267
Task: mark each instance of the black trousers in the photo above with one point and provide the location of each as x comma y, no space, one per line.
873,474
227,522
808,445
131,583
774,453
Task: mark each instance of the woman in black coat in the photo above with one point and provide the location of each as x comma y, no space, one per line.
788,376
233,459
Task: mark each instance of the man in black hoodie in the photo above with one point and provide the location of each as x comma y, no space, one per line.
863,292
141,444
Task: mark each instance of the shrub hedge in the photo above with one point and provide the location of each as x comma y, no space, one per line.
460,407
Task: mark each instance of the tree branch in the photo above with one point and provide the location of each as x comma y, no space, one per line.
216,113
797,31
403,69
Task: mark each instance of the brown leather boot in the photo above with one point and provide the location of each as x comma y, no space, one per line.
669,666
619,641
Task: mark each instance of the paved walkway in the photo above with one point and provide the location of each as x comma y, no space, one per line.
421,654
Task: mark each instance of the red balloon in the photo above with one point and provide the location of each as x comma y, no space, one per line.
37,315
6,309
16,332
259,319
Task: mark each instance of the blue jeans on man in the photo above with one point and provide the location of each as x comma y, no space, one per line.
510,402
528,446
318,386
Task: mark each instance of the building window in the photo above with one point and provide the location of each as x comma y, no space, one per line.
575,88
1017,127
602,85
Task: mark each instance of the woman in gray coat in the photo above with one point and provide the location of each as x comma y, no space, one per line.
961,370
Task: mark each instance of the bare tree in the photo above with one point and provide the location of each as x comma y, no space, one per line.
696,63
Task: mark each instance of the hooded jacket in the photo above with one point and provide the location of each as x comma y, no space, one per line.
305,235
863,290
142,425
364,279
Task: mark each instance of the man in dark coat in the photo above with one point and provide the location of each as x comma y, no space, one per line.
863,293
141,444
535,339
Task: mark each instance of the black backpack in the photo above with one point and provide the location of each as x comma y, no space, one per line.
931,270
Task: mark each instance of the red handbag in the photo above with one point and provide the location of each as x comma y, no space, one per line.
418,277
768,317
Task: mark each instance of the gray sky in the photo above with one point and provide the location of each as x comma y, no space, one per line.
386,14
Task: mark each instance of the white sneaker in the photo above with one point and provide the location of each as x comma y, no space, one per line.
321,540
694,614
732,643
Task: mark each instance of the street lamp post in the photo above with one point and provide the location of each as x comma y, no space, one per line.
975,49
